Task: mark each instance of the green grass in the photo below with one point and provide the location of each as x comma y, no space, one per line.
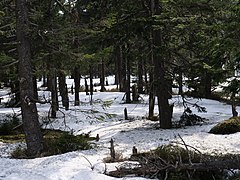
12,138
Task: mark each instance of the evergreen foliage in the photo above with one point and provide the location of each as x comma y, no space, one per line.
157,41
55,142
8,124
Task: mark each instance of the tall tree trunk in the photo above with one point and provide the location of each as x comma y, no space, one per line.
86,86
233,104
140,76
49,77
128,80
44,80
33,135
150,86
116,66
63,90
14,85
54,94
44,75
161,84
145,77
102,76
180,83
35,87
204,89
122,71
77,85
151,97
15,90
91,83
208,85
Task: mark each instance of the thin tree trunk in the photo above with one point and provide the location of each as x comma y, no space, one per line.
63,90
44,75
151,96
77,85
128,81
234,109
122,71
135,94
102,76
208,85
145,78
33,135
49,77
54,95
180,83
86,86
116,66
35,87
91,84
140,76
44,80
49,82
150,86
15,90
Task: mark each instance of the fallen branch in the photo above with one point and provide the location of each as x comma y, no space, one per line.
204,166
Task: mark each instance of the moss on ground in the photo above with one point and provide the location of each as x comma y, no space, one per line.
228,126
55,142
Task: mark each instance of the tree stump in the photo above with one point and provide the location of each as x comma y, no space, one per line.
125,114
112,151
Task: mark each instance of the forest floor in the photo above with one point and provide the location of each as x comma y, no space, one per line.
105,117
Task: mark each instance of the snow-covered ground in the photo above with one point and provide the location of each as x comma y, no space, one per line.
108,122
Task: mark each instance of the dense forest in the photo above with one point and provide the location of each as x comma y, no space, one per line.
149,46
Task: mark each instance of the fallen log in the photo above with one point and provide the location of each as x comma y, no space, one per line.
148,170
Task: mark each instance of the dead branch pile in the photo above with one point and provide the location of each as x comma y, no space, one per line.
170,161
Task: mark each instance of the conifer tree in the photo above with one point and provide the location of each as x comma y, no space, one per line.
33,135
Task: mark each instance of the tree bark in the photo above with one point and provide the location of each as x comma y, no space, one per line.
15,90
86,86
116,66
122,71
207,85
180,83
140,77
128,80
91,83
77,85
135,94
63,90
33,135
151,100
150,87
102,76
161,84
145,72
44,80
54,94
233,104
35,87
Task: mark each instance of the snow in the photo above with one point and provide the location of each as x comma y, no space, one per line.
109,123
